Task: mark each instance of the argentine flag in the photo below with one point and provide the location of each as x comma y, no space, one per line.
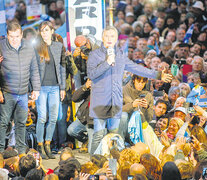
2,18
194,95
188,34
62,32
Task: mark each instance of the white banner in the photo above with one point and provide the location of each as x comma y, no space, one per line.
34,10
85,17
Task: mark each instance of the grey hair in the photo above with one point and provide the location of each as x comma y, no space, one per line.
166,43
173,90
179,30
186,84
198,57
195,74
108,28
179,99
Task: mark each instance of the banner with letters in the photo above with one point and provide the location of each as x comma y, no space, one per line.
84,17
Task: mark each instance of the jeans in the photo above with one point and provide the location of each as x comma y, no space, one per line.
90,137
60,133
100,130
123,126
16,105
77,130
48,100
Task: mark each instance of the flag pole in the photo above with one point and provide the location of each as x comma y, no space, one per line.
111,16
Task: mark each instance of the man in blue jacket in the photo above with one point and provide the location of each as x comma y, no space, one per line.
105,68
18,66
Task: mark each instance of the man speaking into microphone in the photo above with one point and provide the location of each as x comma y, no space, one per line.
105,68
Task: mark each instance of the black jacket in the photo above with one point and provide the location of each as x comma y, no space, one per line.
83,94
18,67
60,63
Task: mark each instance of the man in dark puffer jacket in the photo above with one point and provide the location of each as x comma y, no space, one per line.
18,66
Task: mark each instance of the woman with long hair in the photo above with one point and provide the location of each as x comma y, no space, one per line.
51,62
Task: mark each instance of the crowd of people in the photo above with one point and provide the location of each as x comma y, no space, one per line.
140,95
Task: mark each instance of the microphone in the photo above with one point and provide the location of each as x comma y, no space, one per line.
110,52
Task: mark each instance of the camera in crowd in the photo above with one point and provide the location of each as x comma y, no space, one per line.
85,50
81,42
181,62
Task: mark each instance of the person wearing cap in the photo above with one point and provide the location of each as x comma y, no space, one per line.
180,112
198,11
106,69
129,18
151,53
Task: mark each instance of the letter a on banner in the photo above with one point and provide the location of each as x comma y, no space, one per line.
84,17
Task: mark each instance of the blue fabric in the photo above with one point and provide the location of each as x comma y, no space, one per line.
188,34
48,101
62,30
2,18
100,124
157,49
106,89
78,131
135,128
100,130
125,47
191,84
43,17
194,95
60,111
205,129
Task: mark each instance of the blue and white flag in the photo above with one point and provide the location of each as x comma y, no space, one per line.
62,32
2,18
157,49
135,128
194,95
125,47
188,34
43,17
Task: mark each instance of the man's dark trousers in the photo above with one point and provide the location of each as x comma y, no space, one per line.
16,105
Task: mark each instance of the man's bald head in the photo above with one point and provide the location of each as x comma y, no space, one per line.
137,169
141,148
